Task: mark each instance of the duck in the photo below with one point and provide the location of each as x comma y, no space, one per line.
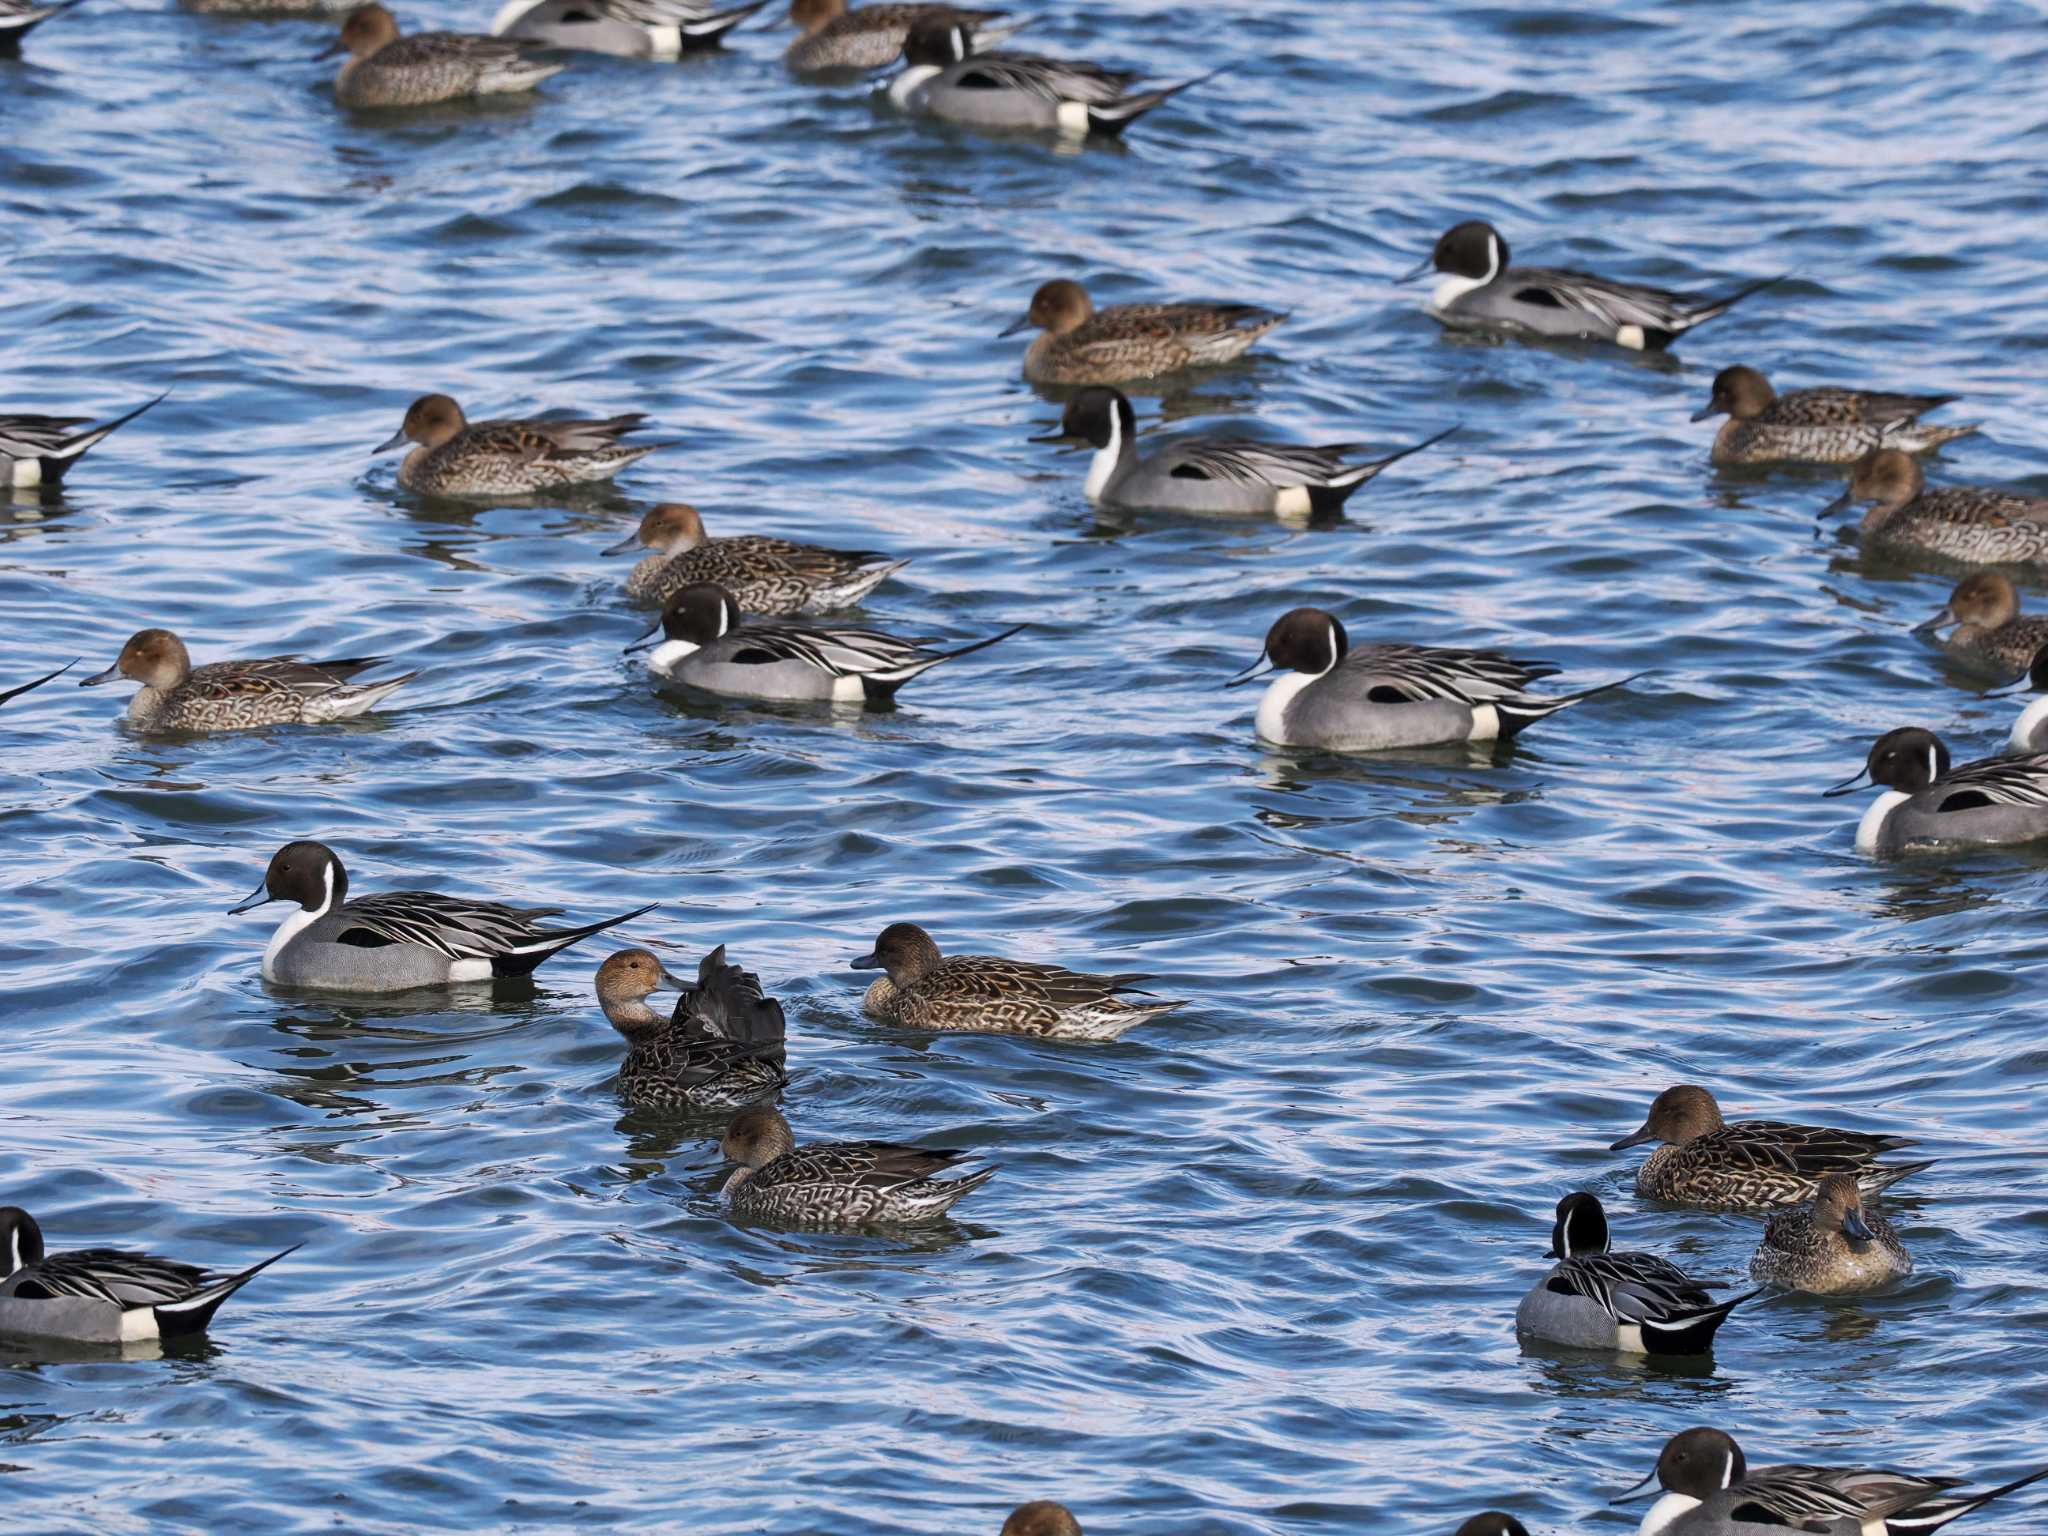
239,695
2030,731
763,575
645,29
397,940
708,643
1994,802
1989,631
721,1049
1636,1303
1820,425
20,17
944,76
1493,1523
106,1295
1041,1517
39,450
387,70
871,37
1965,524
1392,695
20,688
1211,474
456,457
922,989
836,1183
1749,1165
1482,291
1080,344
1831,1246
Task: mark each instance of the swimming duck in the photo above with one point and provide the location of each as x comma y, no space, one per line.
457,457
1831,1246
399,939
105,1295
19,17
1481,291
1493,1523
2030,731
920,989
1748,1165
37,450
1823,425
1211,474
1041,1517
872,37
1969,524
721,1049
1993,802
1984,611
238,695
944,77
647,29
1080,344
386,70
763,575
17,691
836,1183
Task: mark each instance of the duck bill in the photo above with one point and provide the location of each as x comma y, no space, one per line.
1633,1139
1840,504
1848,786
395,440
868,962
1252,673
259,897
1856,1227
1015,326
644,639
1938,623
101,677
671,982
1419,269
1705,411
625,546
1630,1494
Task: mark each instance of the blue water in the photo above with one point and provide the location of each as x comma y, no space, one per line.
1251,1269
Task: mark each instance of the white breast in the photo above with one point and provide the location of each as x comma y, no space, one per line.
1453,288
665,657
1871,827
1105,461
287,930
911,78
1281,692
2029,721
1665,1512
509,14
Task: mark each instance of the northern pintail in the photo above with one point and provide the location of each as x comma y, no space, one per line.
19,17
1749,1165
1993,802
922,989
2030,731
1493,1523
764,575
1080,344
37,450
722,1048
836,1183
399,939
105,1295
872,37
1211,474
944,77
238,695
645,29
1633,1302
1989,633
1711,1490
1041,1517
1823,425
708,643
459,457
1831,1245
1388,696
1969,524
1480,291
386,70
20,688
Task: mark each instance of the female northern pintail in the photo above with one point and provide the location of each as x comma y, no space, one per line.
105,1295
1984,611
722,1048
944,77
1386,696
1993,802
872,37
1041,1517
1480,291
1823,425
707,643
1211,474
459,457
836,1183
37,450
400,939
921,989
1749,1165
646,29
19,689
19,17
386,70
1970,524
1711,1490
1081,344
1831,1246
1634,1302
237,695
764,575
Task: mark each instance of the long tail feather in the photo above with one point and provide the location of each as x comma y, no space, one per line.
195,1312
528,956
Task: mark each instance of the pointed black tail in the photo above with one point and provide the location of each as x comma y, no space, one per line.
181,1319
1692,1334
544,946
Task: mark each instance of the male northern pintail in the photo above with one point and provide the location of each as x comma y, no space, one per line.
1493,1523
105,1295
1386,696
37,450
922,989
944,77
459,457
1993,802
872,37
386,70
1831,1245
399,939
1984,612
1970,524
1749,1165
1080,344
764,575
707,643
722,1048
19,17
2029,732
1633,1302
1480,291
1211,474
836,1183
1711,1490
236,695
20,688
1823,425
1041,1517
647,29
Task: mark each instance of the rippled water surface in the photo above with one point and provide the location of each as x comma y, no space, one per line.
1251,1269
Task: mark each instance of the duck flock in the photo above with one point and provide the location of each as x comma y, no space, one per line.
743,613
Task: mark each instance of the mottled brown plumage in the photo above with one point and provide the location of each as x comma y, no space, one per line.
1083,345
836,1184
1965,524
766,576
1822,425
238,695
870,37
458,457
721,1049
